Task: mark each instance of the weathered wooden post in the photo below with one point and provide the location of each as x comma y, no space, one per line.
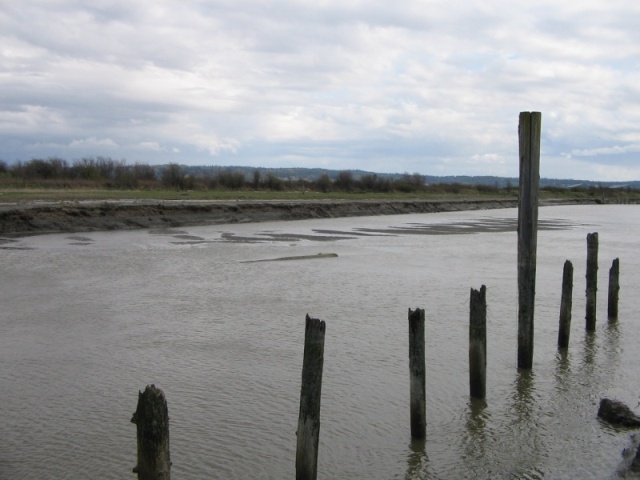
592,279
529,130
417,374
152,424
565,305
478,343
614,289
309,419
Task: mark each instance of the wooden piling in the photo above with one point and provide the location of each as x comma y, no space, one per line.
478,343
417,374
614,289
152,424
529,131
592,279
565,305
309,418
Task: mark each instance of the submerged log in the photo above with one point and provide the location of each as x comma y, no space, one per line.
617,413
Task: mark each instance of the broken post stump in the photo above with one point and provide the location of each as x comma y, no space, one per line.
309,418
592,280
152,425
529,129
565,305
614,289
478,343
417,374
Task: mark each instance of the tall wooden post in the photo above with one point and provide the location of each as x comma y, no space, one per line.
478,343
309,419
417,374
565,305
592,280
529,131
152,421
614,289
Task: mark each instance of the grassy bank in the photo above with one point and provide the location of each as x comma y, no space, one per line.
25,195
12,195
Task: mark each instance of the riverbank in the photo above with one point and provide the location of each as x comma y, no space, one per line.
33,218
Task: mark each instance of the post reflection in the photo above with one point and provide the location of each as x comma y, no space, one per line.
590,348
527,427
523,394
418,461
476,443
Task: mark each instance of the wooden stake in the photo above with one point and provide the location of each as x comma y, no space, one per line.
417,374
309,419
152,421
565,305
614,289
529,131
478,343
592,279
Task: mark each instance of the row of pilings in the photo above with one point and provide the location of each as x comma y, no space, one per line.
151,416
152,420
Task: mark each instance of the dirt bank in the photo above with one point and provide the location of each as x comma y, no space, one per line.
38,217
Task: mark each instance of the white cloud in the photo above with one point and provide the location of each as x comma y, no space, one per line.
93,142
433,87
613,150
151,146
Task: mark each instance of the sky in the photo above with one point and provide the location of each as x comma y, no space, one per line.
419,86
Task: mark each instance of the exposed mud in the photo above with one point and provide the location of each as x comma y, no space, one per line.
72,217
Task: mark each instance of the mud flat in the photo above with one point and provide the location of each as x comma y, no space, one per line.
63,217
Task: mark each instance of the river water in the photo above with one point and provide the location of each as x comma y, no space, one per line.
87,320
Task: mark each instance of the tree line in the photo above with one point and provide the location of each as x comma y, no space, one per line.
105,172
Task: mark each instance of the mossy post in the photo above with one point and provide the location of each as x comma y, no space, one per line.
529,130
152,424
565,305
614,289
592,280
309,419
478,343
417,374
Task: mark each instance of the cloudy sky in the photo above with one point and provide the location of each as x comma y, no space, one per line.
428,86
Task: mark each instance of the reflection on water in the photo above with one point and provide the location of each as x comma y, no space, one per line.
478,438
530,432
563,370
418,461
88,320
590,348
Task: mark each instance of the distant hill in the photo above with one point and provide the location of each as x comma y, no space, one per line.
312,174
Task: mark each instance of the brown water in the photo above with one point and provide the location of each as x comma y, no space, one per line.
88,320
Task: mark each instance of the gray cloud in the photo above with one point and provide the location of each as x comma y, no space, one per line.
434,87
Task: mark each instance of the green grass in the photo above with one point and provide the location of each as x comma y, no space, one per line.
12,195
34,194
